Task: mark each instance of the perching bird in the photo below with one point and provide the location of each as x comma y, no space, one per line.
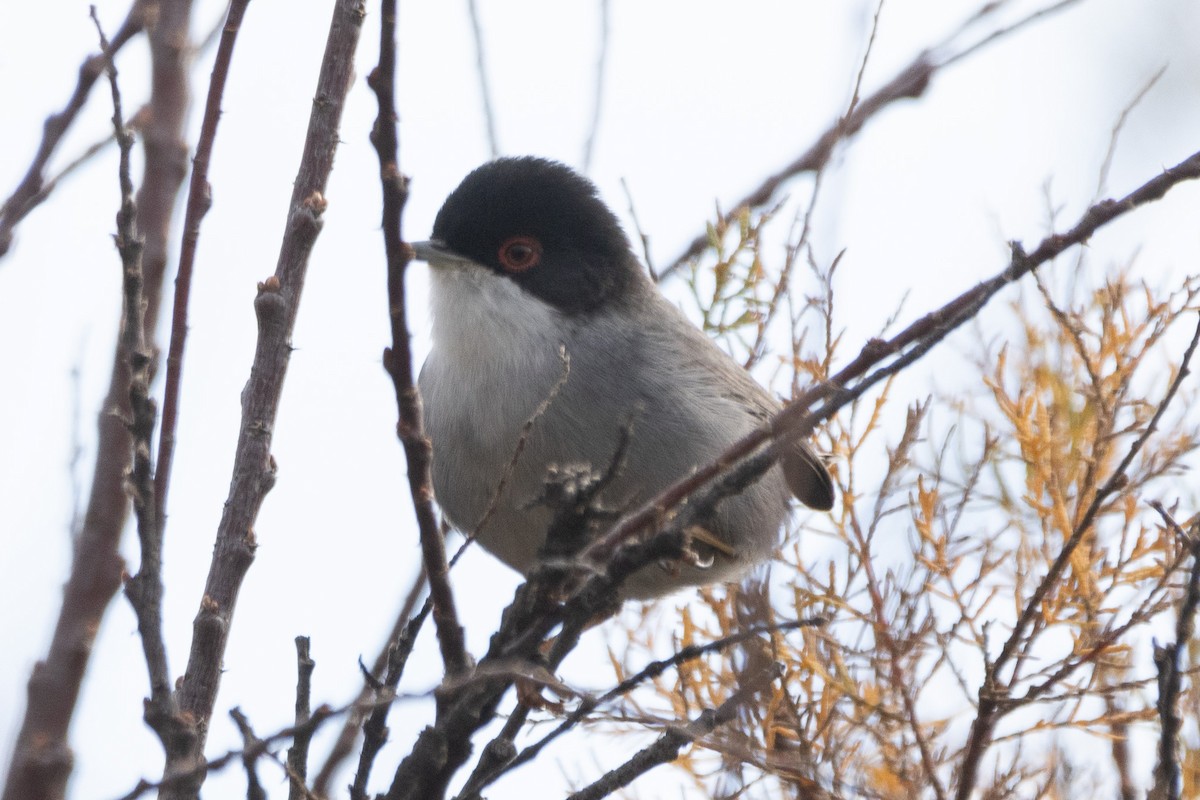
526,260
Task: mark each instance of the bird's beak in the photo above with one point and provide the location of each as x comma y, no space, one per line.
437,254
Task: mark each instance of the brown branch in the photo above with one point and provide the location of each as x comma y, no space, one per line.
993,693
1167,659
375,729
485,91
651,671
276,307
145,589
667,748
466,705
589,145
397,359
252,748
163,144
909,83
31,191
297,759
42,759
344,744
198,202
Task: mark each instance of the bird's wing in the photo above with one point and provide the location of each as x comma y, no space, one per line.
803,470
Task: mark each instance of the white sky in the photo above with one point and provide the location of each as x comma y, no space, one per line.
702,100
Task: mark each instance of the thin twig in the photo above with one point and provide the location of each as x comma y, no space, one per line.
485,91
344,744
252,748
30,191
666,748
198,202
648,673
909,82
993,691
1168,658
375,728
518,449
643,237
589,147
1118,126
799,416
144,589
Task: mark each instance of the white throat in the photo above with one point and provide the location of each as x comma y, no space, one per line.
482,320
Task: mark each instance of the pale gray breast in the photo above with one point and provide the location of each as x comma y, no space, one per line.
643,366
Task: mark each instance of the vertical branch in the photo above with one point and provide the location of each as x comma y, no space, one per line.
144,589
1168,779
42,759
276,307
297,758
163,144
198,203
346,738
397,359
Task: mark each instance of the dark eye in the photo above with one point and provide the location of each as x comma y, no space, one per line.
519,253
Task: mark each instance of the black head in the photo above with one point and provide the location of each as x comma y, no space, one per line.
541,224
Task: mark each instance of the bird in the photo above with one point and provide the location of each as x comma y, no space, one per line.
550,343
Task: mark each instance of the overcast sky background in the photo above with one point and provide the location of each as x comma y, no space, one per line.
702,101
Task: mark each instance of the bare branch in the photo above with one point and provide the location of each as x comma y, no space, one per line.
993,692
485,91
667,748
909,83
799,417
41,759
276,307
344,745
198,202
31,191
297,760
251,750
397,359
589,147
1168,659
651,671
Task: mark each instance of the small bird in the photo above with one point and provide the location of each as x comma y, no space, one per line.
527,262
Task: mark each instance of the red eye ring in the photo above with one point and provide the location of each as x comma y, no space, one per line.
519,253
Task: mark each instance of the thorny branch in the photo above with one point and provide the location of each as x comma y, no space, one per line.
145,589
